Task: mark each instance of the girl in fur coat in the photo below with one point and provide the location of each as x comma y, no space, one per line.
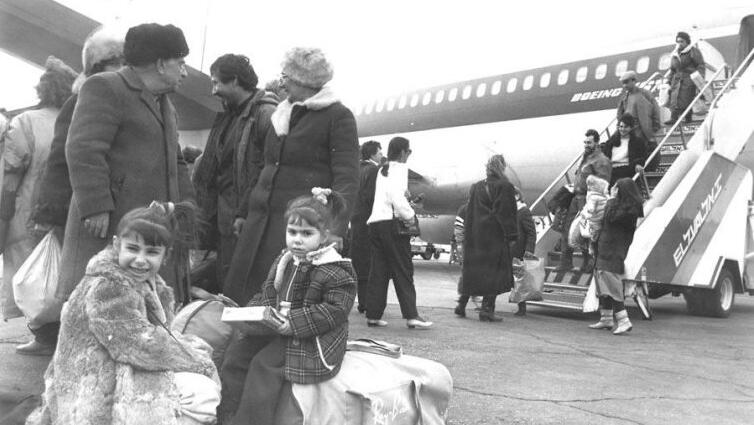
311,288
116,362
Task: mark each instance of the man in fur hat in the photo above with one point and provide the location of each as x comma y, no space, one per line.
123,151
232,158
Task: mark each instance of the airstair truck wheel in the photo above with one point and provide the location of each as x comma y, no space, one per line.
720,300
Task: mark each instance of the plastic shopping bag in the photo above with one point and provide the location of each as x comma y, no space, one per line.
528,279
591,302
36,281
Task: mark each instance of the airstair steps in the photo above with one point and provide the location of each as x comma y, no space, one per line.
564,289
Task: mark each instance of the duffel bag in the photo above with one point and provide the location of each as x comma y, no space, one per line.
202,318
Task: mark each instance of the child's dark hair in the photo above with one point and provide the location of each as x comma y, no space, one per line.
167,224
312,210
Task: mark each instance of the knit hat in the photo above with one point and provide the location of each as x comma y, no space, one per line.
684,35
146,43
307,66
102,45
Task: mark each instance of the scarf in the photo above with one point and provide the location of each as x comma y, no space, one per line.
678,54
281,118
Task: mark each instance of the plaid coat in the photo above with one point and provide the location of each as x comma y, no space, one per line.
321,293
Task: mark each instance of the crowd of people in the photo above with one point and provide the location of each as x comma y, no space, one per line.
279,190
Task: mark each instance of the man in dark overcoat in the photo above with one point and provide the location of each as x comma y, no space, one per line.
360,246
122,148
231,161
313,143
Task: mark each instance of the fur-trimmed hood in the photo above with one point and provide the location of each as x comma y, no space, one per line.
281,118
325,255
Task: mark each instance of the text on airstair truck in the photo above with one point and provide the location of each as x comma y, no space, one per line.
701,216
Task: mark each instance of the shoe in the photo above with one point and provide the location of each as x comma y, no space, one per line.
606,320
489,316
376,323
35,348
361,309
460,311
521,309
624,325
418,323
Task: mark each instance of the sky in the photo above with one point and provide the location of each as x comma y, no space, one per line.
389,46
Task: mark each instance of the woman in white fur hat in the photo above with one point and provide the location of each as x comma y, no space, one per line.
312,143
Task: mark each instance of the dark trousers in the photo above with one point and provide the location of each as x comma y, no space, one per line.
234,373
361,257
225,247
391,259
607,303
621,172
47,334
264,384
577,203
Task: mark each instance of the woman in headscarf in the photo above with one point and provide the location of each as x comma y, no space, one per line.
490,235
685,60
27,146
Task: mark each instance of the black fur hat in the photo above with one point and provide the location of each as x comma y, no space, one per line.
146,43
685,36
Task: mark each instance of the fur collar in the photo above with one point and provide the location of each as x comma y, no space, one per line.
678,54
281,118
325,255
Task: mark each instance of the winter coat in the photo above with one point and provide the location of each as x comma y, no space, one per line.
489,227
123,153
682,88
596,164
55,187
114,364
594,211
618,226
321,291
527,232
313,144
232,160
637,149
360,246
27,145
642,105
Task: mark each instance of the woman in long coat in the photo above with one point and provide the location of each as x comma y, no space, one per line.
122,150
26,148
685,60
618,226
313,143
490,231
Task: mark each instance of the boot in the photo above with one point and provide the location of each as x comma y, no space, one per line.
521,309
460,310
587,266
624,325
35,348
606,320
566,260
487,313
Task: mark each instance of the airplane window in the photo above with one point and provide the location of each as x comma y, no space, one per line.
664,61
439,96
563,77
544,80
466,92
581,74
452,95
496,87
368,108
390,104
621,68
512,85
528,82
427,97
600,72
481,90
414,99
380,105
642,65
402,102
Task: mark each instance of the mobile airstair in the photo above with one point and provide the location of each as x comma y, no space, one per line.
696,234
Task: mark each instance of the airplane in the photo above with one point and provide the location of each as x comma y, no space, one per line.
535,117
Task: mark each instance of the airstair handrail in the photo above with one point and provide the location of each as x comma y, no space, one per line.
675,125
732,78
575,160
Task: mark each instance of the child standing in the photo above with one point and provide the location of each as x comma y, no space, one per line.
314,288
116,362
527,237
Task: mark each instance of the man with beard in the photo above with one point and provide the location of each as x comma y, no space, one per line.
593,162
232,158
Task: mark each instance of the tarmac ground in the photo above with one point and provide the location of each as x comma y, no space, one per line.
545,368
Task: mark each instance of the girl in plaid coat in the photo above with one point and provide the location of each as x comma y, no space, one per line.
313,288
